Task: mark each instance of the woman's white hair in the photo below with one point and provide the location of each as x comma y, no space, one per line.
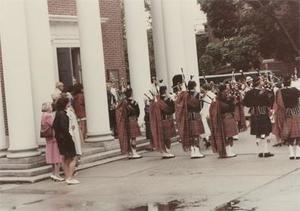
46,106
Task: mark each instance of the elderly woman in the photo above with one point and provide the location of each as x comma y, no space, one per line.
52,153
64,139
59,88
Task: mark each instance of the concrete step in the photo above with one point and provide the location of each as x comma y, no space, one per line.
26,172
91,151
91,157
22,163
99,156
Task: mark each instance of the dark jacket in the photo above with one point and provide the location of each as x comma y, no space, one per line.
64,139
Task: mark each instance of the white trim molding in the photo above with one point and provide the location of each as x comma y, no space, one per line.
69,18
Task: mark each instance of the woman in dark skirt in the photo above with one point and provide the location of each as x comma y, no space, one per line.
64,140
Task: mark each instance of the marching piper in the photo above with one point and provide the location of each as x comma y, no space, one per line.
161,112
185,106
127,113
260,101
287,99
223,124
195,119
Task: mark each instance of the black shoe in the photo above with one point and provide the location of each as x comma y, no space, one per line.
292,158
269,154
277,145
261,155
297,158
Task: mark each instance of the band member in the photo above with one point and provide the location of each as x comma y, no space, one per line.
127,114
278,118
287,99
208,97
183,104
223,124
147,123
260,101
195,120
162,123
239,113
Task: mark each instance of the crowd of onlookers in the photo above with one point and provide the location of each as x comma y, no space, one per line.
63,125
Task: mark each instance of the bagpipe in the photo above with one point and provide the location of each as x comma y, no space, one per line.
156,92
180,84
122,90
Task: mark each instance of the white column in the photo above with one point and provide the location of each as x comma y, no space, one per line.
138,53
3,141
93,70
173,37
17,77
159,41
188,8
41,57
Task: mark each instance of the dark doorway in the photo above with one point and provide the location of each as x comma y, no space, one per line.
69,66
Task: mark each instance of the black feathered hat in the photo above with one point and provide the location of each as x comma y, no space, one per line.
177,80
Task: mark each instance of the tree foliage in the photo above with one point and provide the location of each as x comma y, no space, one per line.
249,30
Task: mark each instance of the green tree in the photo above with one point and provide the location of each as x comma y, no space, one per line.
249,30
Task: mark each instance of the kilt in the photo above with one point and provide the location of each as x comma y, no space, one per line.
196,124
168,128
260,125
291,127
134,129
229,125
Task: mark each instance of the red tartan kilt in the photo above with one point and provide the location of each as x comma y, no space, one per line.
237,113
168,127
197,127
230,126
134,129
291,127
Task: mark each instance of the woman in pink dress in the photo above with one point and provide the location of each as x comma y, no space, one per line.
53,156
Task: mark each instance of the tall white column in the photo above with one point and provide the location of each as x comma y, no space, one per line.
173,37
17,77
93,70
41,57
3,141
159,41
188,8
138,53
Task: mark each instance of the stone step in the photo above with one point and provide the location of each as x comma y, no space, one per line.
22,163
99,156
91,151
26,172
91,157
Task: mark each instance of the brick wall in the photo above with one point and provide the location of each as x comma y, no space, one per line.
112,35
112,32
62,7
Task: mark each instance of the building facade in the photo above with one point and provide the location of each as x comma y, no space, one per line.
83,40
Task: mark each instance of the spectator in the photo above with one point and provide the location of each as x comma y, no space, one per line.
64,139
112,103
73,126
59,88
79,108
52,153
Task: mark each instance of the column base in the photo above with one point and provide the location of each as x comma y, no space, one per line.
23,153
98,140
3,153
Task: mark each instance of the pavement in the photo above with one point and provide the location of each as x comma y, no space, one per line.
152,184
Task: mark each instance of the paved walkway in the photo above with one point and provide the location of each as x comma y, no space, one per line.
247,182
